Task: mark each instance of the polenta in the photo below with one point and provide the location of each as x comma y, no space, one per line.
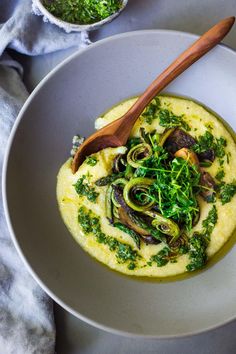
162,205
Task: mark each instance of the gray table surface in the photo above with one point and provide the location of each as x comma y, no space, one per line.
196,16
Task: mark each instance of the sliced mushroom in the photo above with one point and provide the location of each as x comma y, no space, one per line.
130,220
178,140
207,182
208,155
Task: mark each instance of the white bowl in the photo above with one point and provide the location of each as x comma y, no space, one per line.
66,102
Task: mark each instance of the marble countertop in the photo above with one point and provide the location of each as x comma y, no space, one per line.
195,16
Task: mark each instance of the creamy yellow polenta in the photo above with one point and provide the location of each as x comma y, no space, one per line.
69,201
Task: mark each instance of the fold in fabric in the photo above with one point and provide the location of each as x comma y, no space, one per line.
27,33
26,312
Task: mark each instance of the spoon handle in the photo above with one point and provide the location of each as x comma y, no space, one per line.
200,47
117,133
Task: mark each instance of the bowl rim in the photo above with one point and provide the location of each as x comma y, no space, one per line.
4,189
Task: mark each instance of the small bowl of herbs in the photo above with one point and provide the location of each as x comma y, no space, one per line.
79,15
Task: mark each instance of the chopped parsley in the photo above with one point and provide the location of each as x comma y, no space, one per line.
169,120
208,141
220,175
220,145
84,189
227,192
161,258
166,117
210,222
82,11
91,160
199,241
197,254
125,253
152,110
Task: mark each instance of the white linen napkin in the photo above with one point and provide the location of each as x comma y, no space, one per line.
26,312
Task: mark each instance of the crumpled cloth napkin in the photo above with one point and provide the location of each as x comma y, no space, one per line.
26,312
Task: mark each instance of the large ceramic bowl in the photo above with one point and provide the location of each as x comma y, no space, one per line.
66,102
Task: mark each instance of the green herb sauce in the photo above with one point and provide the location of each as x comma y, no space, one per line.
199,241
90,224
166,117
220,174
161,258
84,189
82,11
227,192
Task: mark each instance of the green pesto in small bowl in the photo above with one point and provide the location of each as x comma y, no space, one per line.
82,12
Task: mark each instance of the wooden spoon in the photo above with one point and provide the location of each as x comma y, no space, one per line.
117,133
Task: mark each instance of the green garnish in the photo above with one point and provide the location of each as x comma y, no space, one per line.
125,253
175,189
84,189
208,141
227,192
166,117
210,222
152,110
169,120
197,254
161,258
82,11
90,224
183,249
132,142
220,174
199,241
221,143
91,160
